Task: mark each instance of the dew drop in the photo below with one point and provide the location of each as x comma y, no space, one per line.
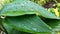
22,4
34,29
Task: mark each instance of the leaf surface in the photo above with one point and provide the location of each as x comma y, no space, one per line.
28,23
20,7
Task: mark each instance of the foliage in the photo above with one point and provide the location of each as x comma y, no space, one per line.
27,17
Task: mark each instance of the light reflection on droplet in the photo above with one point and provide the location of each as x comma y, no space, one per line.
22,4
34,29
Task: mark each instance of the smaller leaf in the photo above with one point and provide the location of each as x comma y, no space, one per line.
27,23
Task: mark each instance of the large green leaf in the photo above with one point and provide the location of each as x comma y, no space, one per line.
16,8
27,23
21,7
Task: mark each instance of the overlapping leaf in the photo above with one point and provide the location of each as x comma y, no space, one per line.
21,7
31,24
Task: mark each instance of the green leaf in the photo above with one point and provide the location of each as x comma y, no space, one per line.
55,24
10,29
16,8
28,23
20,7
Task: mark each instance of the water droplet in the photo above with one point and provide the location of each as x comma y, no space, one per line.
22,4
34,29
